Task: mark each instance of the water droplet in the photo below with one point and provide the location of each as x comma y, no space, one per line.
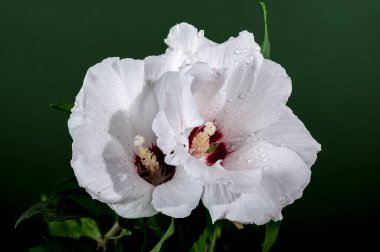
245,50
242,69
249,60
264,160
236,63
242,96
226,110
237,51
269,146
252,134
249,161
229,100
283,145
164,56
111,104
282,198
262,155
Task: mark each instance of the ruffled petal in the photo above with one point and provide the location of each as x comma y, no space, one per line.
284,177
237,181
288,131
178,112
186,38
112,96
208,89
156,66
179,196
137,203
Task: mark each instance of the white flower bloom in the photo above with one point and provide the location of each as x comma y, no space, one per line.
253,154
115,155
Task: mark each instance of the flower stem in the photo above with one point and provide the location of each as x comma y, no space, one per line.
102,242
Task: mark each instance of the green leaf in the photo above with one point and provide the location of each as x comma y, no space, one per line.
169,232
61,106
63,244
33,210
201,244
271,232
265,46
75,228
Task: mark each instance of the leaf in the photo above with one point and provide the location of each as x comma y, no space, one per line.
68,201
61,106
33,210
75,228
271,232
201,244
265,46
169,232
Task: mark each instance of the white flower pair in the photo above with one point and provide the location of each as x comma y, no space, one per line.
204,121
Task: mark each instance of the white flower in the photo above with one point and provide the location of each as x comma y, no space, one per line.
115,156
253,154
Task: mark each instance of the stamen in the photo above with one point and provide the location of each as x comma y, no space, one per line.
148,159
201,142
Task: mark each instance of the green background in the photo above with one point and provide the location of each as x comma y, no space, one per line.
330,48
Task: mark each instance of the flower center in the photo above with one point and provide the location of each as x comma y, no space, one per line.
206,142
150,163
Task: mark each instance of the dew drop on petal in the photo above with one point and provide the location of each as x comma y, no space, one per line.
283,145
242,96
282,198
236,63
242,69
264,160
229,100
249,60
245,50
249,161
237,51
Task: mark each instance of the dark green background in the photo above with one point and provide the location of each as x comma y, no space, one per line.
330,48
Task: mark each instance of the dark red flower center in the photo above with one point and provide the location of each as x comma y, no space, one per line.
154,170
208,144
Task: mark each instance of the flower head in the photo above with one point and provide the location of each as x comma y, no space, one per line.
115,153
251,152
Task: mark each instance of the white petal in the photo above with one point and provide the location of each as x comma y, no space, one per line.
137,204
167,139
285,175
259,107
179,196
184,37
237,181
156,66
208,89
216,197
288,131
175,100
112,96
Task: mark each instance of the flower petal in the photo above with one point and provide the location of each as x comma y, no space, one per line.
137,203
178,112
284,177
186,38
112,96
208,89
179,196
238,181
288,131
156,66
